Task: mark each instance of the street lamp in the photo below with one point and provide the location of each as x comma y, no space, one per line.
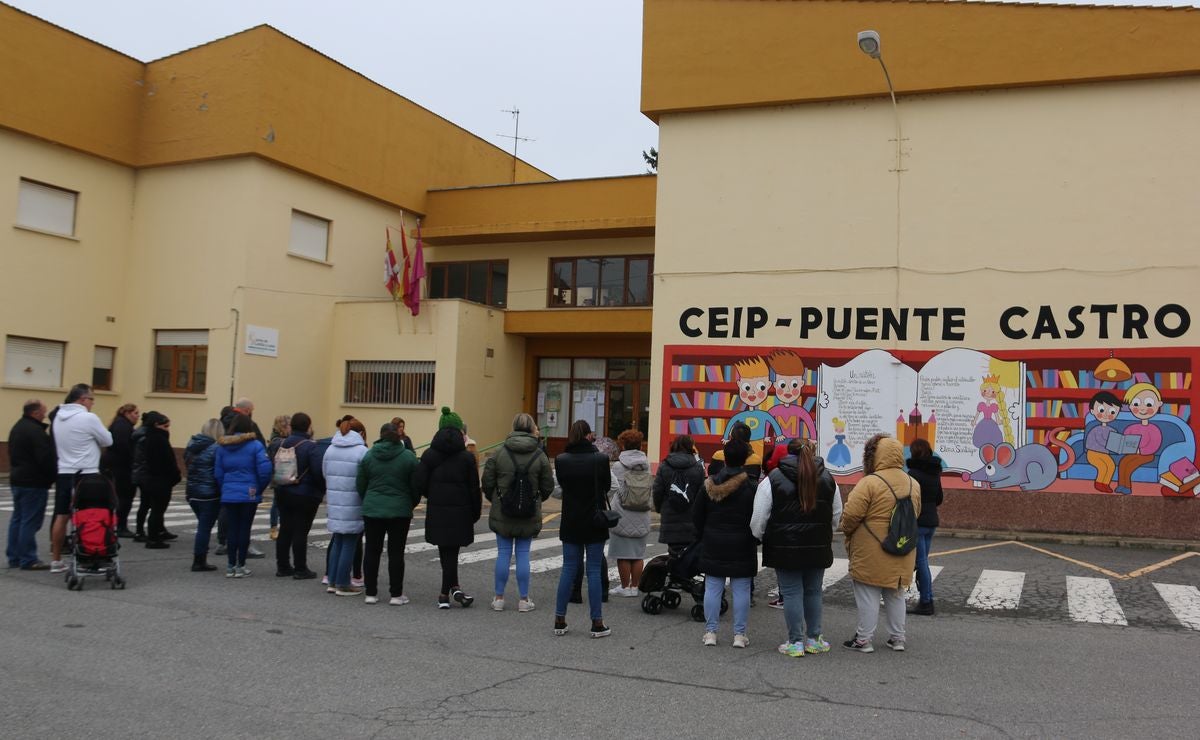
869,44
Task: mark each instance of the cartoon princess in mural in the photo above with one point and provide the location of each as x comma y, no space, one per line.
987,430
839,452
791,418
754,386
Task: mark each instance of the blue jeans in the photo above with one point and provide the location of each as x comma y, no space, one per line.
29,511
924,580
341,558
801,594
714,589
590,553
504,547
238,520
206,516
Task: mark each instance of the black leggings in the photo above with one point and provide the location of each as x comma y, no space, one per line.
397,535
157,497
125,494
448,554
296,515
143,508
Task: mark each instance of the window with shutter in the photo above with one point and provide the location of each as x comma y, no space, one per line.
33,362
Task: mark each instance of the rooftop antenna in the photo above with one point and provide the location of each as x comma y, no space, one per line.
516,114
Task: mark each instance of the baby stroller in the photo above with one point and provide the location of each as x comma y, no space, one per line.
92,540
666,577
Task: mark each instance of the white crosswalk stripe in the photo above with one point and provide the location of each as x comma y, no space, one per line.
997,589
1093,600
835,572
1183,601
913,594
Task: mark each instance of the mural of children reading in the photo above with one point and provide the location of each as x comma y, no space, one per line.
987,430
1105,407
754,386
1144,401
839,452
791,418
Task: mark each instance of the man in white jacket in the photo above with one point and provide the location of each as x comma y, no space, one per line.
78,436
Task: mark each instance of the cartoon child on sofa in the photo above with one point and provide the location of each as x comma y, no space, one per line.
1144,402
1105,407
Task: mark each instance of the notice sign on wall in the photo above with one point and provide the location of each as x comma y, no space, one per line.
262,341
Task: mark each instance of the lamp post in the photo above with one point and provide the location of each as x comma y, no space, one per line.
868,42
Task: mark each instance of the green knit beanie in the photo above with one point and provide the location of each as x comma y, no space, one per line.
450,419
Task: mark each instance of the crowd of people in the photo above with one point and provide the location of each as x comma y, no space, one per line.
787,504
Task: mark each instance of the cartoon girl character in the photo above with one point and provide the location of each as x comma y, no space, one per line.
791,419
839,452
987,430
1144,402
1105,407
754,385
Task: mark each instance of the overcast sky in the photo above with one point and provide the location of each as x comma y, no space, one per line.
573,67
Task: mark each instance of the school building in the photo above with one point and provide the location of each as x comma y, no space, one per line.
976,263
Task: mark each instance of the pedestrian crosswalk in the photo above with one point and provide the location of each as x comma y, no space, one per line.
1090,600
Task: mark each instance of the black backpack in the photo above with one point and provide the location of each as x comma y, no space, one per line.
902,532
679,496
520,500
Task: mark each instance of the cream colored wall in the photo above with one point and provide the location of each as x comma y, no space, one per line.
529,262
59,288
451,333
1066,195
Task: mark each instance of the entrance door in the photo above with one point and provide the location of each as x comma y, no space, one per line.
628,396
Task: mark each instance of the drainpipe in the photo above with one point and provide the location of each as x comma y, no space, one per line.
237,318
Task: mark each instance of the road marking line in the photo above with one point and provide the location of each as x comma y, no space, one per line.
550,517
492,553
997,589
972,549
913,594
1073,561
1092,600
835,572
1163,564
1184,603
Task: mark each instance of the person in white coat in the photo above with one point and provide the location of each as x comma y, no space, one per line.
343,504
627,543
78,437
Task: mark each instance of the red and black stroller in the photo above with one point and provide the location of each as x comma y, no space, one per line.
92,540
666,577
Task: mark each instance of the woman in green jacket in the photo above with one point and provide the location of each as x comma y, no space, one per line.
516,523
384,476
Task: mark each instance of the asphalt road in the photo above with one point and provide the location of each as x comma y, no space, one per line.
179,654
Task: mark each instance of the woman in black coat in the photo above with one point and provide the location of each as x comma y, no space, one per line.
119,462
584,475
159,477
681,468
926,470
447,476
722,518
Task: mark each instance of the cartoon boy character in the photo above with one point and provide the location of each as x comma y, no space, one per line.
1105,407
791,419
754,385
1144,402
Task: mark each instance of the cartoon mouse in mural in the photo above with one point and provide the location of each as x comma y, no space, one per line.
1028,467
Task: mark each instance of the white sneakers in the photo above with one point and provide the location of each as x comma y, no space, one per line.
58,566
710,639
497,604
400,600
372,599
741,641
622,591
526,605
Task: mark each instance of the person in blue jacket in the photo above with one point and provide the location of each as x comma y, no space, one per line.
202,494
242,470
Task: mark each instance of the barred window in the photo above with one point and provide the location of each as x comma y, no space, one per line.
390,382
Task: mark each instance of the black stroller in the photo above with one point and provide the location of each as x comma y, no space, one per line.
666,577
92,541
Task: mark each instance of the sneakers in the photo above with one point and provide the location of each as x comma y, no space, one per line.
221,549
773,593
896,644
497,605
709,639
816,645
400,600
352,591
922,608
526,605
372,600
862,646
776,603
786,648
464,600
274,533
600,630
304,574
230,572
58,566
325,580
241,572
443,602
254,552
560,626
330,590
794,649
631,591
357,582
741,641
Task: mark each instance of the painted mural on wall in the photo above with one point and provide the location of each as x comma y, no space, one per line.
1073,421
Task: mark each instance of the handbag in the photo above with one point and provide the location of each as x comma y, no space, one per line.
603,516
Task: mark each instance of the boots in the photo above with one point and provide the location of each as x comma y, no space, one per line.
924,608
200,564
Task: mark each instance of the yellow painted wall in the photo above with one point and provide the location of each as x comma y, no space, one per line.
709,54
1056,195
59,288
